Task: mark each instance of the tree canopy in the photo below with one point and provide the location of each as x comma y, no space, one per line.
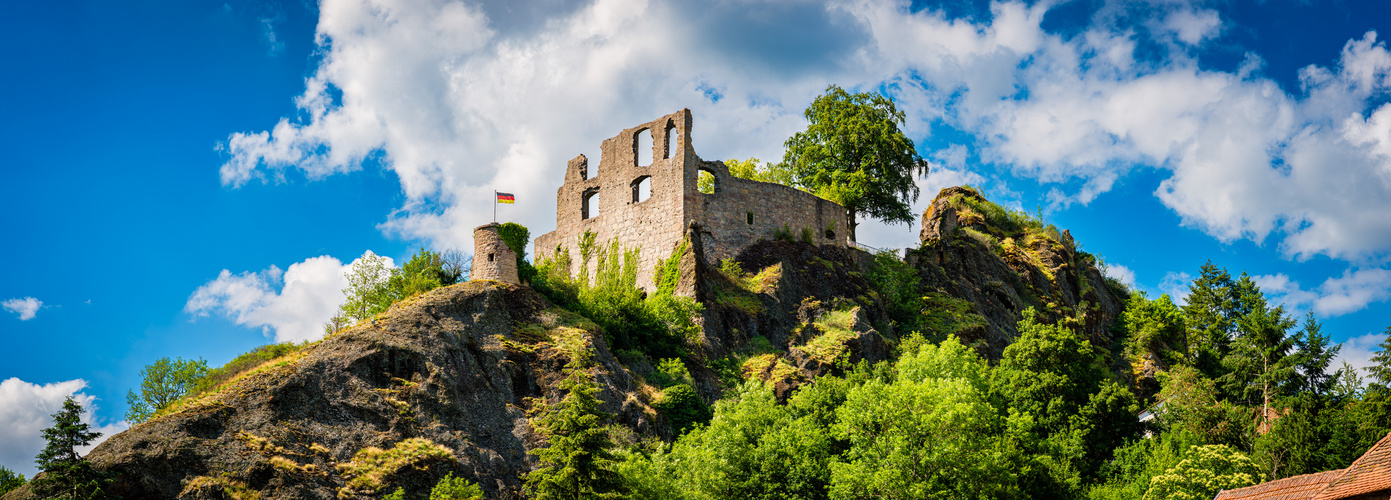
854,153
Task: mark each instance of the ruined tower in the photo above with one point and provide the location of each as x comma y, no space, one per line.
492,258
645,198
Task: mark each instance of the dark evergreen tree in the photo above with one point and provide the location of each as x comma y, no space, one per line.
1209,319
1313,357
1259,363
578,462
9,480
65,474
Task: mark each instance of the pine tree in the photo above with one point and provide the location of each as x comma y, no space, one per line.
1314,357
1209,319
578,463
65,473
1259,361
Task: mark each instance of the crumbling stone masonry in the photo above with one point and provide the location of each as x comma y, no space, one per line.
492,258
739,212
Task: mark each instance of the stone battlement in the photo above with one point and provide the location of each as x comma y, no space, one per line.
647,198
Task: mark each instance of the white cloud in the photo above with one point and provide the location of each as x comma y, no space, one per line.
27,408
1176,285
1121,273
1337,296
459,100
1358,352
26,307
1193,26
309,295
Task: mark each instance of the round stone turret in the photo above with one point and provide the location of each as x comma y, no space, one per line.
492,258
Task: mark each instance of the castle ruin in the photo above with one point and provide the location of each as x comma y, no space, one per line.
647,199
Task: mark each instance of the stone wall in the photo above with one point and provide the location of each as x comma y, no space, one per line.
492,258
657,223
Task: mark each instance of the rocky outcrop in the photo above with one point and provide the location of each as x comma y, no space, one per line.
788,286
457,366
976,251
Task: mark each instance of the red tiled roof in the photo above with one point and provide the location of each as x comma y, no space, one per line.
1369,474
1290,488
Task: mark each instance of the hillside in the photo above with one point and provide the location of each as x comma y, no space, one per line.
448,381
455,366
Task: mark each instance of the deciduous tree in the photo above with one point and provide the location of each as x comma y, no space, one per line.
162,383
853,153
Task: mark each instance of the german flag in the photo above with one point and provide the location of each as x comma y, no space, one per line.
505,198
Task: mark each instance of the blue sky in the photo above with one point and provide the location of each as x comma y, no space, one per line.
190,178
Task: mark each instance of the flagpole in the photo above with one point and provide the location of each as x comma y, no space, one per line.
494,206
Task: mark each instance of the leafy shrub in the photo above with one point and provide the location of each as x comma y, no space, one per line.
243,363
452,488
657,325
682,407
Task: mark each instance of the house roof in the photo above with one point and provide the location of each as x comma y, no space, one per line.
1290,488
1369,474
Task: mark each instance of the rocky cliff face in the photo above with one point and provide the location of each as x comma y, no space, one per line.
1003,263
455,367
772,303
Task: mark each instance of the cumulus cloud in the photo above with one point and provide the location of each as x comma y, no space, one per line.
1358,352
1122,274
1176,285
460,99
27,408
1337,296
26,307
308,295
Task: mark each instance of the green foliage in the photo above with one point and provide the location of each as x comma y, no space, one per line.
1063,408
682,407
242,363
65,473
705,182
672,371
373,287
1314,356
1195,407
367,292
162,383
578,462
658,325
1154,328
1258,362
1204,471
783,234
853,153
898,286
931,433
399,494
517,236
452,488
753,448
753,169
9,480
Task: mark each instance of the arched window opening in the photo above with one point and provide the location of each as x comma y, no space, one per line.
750,218
590,204
706,182
830,234
642,189
490,257
666,145
642,148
